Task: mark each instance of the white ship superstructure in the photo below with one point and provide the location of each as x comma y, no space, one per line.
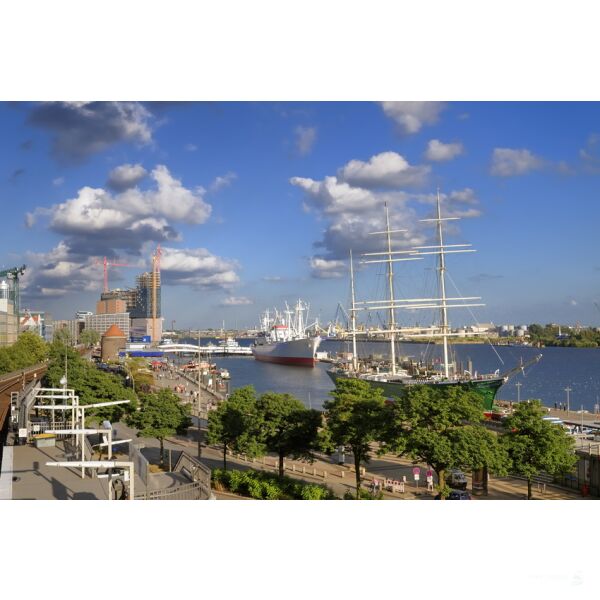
284,340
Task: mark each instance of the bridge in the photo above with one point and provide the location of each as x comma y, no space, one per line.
206,350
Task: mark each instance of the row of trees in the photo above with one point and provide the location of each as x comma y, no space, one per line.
548,335
441,427
30,349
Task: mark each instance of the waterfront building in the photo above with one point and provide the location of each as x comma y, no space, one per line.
143,327
110,306
144,296
111,342
102,322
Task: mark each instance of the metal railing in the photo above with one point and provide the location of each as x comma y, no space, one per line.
188,491
194,470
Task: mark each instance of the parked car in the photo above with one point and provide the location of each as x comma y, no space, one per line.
456,495
457,480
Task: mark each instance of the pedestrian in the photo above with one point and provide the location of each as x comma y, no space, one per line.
555,406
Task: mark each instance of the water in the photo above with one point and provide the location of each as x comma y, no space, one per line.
577,368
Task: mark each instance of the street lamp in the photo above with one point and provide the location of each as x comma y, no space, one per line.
518,384
568,390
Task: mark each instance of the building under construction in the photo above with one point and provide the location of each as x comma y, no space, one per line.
145,294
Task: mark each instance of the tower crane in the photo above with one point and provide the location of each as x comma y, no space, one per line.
14,275
106,263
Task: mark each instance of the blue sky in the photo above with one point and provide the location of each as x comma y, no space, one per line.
258,203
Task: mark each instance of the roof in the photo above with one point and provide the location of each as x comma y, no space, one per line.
113,331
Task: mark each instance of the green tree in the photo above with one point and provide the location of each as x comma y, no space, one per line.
91,385
63,336
236,424
29,349
89,337
161,414
354,419
534,445
288,428
440,426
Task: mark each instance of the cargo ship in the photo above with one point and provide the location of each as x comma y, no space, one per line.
394,377
284,340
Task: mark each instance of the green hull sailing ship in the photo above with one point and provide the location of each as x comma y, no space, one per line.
395,378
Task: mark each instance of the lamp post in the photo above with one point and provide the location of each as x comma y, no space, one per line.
518,384
568,390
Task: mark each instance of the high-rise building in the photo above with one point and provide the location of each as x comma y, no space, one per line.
144,296
112,305
9,322
128,296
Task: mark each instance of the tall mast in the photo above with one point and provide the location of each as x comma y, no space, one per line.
390,270
442,278
353,317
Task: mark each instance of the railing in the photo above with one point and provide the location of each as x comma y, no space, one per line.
194,470
187,491
35,427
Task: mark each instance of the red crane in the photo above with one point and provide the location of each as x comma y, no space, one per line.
106,263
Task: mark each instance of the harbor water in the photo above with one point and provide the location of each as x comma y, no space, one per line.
576,368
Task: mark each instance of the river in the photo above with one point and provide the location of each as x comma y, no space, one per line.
559,368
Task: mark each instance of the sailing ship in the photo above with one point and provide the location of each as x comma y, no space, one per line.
395,377
284,338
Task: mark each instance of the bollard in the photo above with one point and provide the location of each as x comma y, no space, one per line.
314,471
324,474
303,469
342,474
293,468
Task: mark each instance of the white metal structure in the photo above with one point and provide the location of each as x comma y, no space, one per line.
102,464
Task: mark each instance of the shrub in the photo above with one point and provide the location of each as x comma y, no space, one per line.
267,486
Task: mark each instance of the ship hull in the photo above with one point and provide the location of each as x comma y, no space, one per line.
485,388
300,353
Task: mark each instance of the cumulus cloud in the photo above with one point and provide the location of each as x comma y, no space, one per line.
388,169
223,181
305,138
125,176
96,217
197,267
58,181
507,162
412,116
80,129
236,301
322,268
439,152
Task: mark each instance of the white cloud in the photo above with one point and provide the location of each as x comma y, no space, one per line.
272,278
322,268
95,210
223,181
236,301
125,176
191,147
438,151
83,128
58,181
198,268
305,139
387,169
507,162
412,116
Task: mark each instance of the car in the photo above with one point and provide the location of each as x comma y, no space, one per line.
456,495
457,480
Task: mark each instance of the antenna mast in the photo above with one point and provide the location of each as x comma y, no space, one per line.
353,317
390,270
442,278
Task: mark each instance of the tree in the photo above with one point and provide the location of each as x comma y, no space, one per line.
288,428
89,337
161,414
534,445
354,419
90,384
440,426
63,336
29,349
236,424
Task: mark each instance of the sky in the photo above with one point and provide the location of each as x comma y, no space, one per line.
258,203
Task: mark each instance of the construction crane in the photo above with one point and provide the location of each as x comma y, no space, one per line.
14,274
155,276
106,263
